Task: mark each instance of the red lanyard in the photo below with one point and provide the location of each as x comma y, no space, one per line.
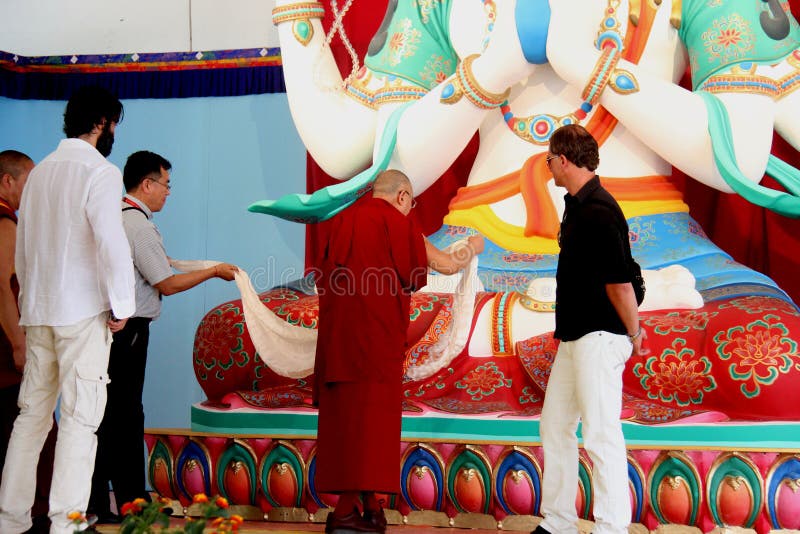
126,200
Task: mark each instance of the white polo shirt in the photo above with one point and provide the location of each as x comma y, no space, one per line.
72,258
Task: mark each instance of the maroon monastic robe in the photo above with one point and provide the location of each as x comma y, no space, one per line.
10,379
9,376
374,259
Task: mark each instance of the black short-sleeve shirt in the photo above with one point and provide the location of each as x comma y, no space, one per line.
592,255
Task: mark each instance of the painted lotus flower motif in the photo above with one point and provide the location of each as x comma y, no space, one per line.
483,381
437,69
680,322
641,233
302,312
729,38
529,396
219,338
403,43
676,375
760,305
425,302
759,353
279,294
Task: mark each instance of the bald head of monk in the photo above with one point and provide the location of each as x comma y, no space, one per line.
394,187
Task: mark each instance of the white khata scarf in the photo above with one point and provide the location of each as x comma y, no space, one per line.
289,350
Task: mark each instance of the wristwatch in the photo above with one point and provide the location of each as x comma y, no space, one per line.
633,337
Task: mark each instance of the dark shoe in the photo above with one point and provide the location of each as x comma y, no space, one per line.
540,530
41,525
108,518
351,522
376,519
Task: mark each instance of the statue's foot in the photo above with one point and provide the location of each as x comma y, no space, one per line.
672,287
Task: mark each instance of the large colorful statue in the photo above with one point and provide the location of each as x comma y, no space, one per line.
723,337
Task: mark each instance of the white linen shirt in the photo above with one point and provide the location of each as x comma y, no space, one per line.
72,258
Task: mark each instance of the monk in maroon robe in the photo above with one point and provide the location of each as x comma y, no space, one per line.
375,258
14,169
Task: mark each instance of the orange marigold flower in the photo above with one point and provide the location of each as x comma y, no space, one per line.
236,519
222,502
216,522
75,516
129,508
139,502
200,498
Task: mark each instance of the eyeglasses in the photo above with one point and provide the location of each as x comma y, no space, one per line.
550,158
167,185
413,200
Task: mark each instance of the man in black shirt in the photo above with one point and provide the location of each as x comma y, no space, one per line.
597,322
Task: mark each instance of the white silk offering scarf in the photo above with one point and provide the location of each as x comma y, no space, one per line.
289,350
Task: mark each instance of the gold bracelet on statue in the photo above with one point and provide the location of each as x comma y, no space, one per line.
464,83
299,14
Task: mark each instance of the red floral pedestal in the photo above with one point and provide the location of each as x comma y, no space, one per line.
710,418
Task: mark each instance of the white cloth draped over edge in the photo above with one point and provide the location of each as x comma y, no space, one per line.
289,350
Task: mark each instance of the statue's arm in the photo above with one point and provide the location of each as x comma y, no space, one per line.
670,120
432,134
337,130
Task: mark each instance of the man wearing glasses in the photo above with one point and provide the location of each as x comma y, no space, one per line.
597,322
121,434
375,258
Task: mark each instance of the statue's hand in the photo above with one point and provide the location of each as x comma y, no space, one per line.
503,63
571,37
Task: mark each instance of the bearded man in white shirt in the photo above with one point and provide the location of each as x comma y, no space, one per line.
76,282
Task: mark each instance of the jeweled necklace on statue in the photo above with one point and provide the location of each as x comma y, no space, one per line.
338,27
538,128
490,9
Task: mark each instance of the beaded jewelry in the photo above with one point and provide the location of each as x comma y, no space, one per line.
623,82
537,129
463,83
338,27
501,323
299,14
533,304
600,75
739,80
490,9
392,90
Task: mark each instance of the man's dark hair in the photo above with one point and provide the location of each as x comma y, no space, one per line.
87,107
12,161
142,165
577,145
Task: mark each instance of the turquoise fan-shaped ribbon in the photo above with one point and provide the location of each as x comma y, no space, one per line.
328,201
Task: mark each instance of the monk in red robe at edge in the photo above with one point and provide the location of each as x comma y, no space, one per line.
375,258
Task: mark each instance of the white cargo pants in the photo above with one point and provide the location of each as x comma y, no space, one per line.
71,361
